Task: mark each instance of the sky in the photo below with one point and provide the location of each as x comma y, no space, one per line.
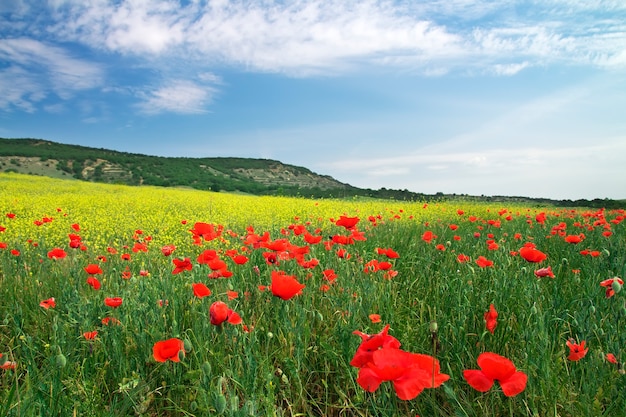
483,97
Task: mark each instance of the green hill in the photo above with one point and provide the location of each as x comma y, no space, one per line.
245,175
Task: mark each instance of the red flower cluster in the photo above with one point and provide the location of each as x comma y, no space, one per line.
379,358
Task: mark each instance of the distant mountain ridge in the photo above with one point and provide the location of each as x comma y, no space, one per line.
245,175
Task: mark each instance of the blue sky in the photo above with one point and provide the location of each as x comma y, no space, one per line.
508,97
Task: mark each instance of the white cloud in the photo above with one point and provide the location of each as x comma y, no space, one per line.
36,69
327,36
179,96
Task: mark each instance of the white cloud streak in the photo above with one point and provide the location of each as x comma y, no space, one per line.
36,68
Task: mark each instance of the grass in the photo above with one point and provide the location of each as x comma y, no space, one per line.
294,358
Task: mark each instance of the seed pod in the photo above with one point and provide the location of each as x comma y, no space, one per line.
219,403
60,360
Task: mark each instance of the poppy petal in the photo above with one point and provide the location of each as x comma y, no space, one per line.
515,384
478,380
495,366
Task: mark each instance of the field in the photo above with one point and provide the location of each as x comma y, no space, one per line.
146,301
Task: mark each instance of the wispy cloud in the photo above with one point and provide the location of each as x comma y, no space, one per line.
37,69
179,96
334,35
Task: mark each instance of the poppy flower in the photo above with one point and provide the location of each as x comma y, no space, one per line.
574,239
347,222
94,283
491,317
49,303
531,254
611,358
285,286
389,253
494,367
544,272
219,313
461,258
576,351
182,265
200,290
57,253
612,285
232,294
483,262
168,350
167,250
371,343
409,372
374,318
7,364
93,269
113,301
428,236
90,335
111,321
240,259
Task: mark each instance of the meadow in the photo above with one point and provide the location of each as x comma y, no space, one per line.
120,301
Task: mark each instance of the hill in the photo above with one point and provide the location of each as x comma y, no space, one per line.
246,175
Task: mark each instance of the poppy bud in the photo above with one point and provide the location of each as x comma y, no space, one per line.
206,368
187,345
524,269
433,326
219,403
606,252
193,406
533,309
592,309
181,355
616,286
60,360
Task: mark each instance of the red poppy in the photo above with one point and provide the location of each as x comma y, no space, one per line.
113,301
93,281
93,269
200,290
576,351
494,367
544,272
240,259
574,238
370,343
90,335
168,350
232,294
611,358
167,250
57,253
531,254
491,317
7,364
285,286
219,313
347,222
428,236
389,253
111,321
49,303
463,258
182,265
410,373
374,318
15,252
612,285
483,262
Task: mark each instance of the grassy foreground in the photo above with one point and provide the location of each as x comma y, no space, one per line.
303,276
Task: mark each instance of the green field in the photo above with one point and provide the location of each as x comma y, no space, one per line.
305,284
